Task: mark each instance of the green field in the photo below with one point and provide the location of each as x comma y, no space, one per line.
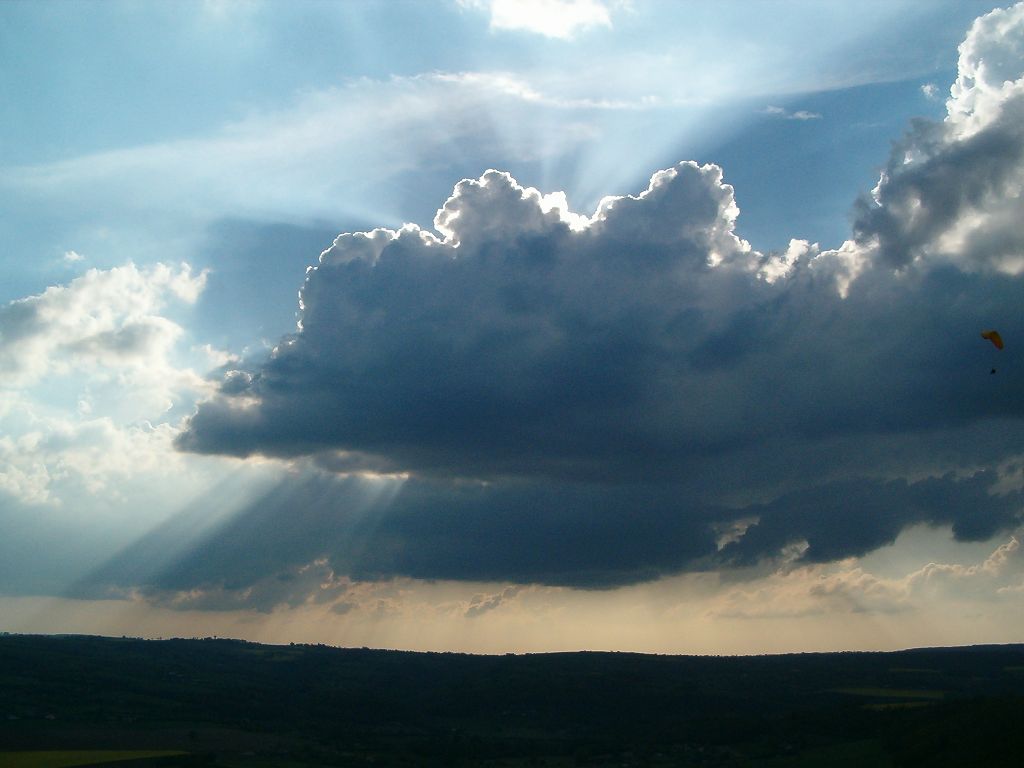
65,759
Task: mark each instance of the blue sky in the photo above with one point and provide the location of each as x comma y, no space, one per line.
532,405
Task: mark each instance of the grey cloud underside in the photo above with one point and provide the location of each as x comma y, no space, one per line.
852,518
557,534
569,534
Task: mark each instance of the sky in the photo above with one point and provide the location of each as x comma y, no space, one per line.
496,326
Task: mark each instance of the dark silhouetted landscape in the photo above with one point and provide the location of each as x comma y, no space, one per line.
230,703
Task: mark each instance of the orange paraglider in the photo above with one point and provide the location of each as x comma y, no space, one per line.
994,337
996,340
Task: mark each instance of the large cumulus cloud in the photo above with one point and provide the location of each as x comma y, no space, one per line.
514,345
811,393
631,344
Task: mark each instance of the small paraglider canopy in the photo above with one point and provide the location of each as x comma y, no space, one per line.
996,340
994,337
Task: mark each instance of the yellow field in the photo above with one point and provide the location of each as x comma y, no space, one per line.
75,757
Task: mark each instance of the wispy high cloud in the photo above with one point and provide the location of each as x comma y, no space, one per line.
800,114
332,152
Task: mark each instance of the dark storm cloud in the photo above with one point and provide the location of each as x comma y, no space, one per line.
317,535
631,384
567,534
852,518
625,350
528,348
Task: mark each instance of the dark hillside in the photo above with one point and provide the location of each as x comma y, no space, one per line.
233,703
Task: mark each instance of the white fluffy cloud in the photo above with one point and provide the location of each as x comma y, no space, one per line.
84,370
990,71
952,191
105,318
